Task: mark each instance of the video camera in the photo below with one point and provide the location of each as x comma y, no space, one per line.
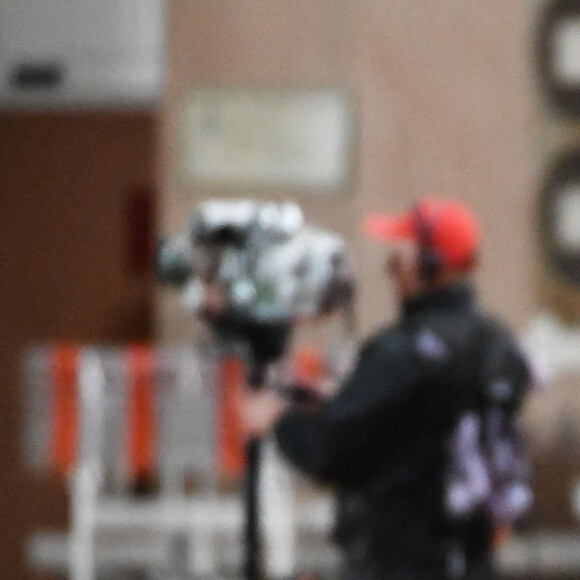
253,269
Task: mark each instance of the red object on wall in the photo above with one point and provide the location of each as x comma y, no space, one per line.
141,427
64,436
141,230
230,442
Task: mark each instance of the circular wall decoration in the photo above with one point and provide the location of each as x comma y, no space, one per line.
560,217
558,55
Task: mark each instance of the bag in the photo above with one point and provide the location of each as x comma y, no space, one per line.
489,469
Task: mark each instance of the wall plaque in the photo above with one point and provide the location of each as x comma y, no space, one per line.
261,139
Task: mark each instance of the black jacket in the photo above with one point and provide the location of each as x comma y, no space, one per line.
382,440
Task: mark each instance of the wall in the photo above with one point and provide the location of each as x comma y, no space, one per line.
445,104
65,185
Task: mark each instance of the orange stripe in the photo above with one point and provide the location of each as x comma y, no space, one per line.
64,407
230,441
141,435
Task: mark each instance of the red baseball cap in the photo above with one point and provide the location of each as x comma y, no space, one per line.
448,227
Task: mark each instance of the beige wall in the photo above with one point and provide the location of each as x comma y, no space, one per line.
445,101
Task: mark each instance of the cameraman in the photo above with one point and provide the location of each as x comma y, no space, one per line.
382,441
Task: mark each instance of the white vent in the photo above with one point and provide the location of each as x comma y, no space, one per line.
67,53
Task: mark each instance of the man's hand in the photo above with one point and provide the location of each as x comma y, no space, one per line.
259,411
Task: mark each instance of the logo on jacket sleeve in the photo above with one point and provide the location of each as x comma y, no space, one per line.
431,346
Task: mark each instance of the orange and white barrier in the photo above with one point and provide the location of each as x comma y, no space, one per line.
106,417
163,410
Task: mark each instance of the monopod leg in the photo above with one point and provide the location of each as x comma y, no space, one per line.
253,569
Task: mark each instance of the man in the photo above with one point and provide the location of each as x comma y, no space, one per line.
383,440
